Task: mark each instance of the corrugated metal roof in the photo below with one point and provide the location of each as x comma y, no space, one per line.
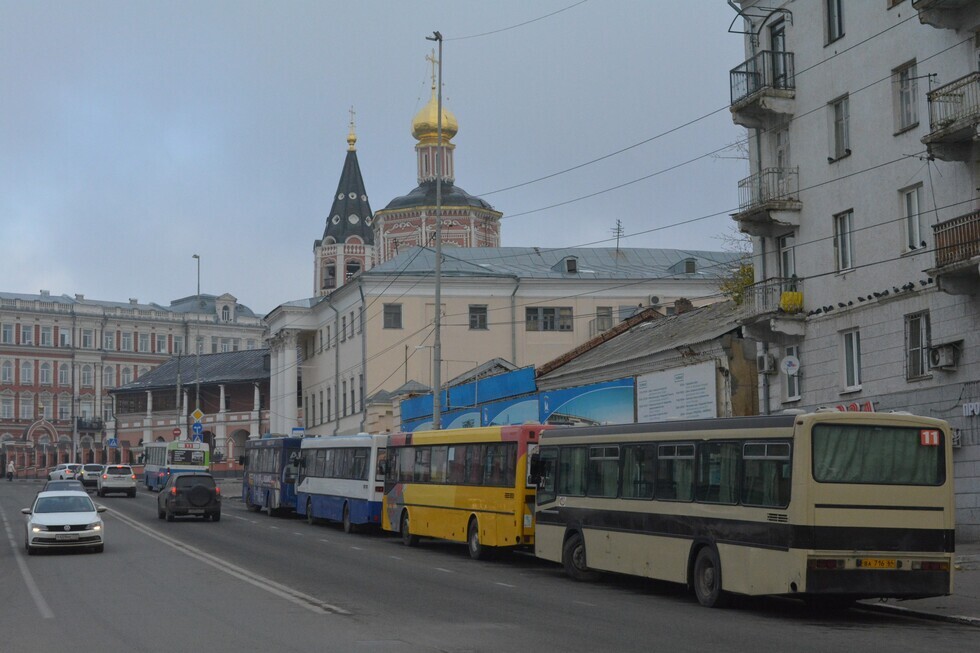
691,328
228,367
541,263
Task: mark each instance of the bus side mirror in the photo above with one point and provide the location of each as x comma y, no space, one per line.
534,475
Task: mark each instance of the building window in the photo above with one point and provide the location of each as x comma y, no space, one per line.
126,376
393,316
161,344
45,409
64,409
913,218
27,373
46,374
360,390
64,337
107,412
7,334
343,328
6,407
64,375
47,336
109,340
27,334
835,20
87,376
6,372
353,403
329,404
178,344
225,314
840,145
917,345
108,374
321,406
546,318
478,316
843,228
793,391
905,88
603,318
329,341
26,406
88,339
127,341
851,344
352,324
329,276
144,343
343,395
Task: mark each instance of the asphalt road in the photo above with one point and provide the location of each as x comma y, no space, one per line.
257,583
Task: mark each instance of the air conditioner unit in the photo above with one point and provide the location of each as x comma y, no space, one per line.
943,357
654,301
765,364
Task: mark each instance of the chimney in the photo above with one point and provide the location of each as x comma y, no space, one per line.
133,301
79,296
683,305
45,293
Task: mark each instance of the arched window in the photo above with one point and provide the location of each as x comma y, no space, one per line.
87,376
64,374
126,376
27,373
225,314
46,374
108,376
6,372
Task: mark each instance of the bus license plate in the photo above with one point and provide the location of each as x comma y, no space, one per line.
66,536
878,563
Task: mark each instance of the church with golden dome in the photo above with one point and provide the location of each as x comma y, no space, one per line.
410,220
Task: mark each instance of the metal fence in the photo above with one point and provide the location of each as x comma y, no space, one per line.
767,69
768,185
957,239
765,296
957,100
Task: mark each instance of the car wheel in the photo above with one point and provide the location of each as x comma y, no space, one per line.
574,559
707,578
30,550
216,516
348,526
98,548
407,538
132,493
170,514
160,513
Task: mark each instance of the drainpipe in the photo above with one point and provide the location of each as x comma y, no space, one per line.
336,367
513,320
364,380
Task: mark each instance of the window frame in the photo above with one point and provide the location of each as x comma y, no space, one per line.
834,23
918,328
840,128
912,216
844,241
793,385
905,88
478,317
392,316
549,319
851,359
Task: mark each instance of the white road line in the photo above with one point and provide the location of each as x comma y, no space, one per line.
297,533
505,584
301,599
275,528
325,541
395,557
357,548
42,605
448,571
591,605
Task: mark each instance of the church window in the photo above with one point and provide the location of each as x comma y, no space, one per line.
329,276
353,267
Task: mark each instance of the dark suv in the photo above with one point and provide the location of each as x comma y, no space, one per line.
189,494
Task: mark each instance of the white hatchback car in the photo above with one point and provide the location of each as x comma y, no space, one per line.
61,520
117,478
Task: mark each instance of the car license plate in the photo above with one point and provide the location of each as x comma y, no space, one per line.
878,563
66,536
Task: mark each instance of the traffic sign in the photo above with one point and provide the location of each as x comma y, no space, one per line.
113,443
198,428
198,437
177,433
197,415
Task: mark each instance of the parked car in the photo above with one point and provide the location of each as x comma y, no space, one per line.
89,475
64,471
61,520
117,478
70,484
191,493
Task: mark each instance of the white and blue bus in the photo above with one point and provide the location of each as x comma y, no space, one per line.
269,478
161,459
341,479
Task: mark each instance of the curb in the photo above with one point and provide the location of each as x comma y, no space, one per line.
920,614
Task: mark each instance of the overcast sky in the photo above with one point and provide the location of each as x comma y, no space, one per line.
135,134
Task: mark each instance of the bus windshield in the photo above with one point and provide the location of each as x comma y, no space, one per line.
883,455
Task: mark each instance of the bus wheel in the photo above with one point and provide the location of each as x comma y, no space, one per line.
573,557
251,506
309,512
477,550
268,504
348,526
707,578
407,538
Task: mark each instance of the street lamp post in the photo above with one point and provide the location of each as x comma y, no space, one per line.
197,342
437,337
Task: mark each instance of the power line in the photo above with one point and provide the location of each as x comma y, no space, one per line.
527,22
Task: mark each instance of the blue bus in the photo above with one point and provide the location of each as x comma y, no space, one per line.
161,459
341,479
269,479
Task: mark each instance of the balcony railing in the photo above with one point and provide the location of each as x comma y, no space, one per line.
767,69
957,239
771,184
956,101
90,424
777,293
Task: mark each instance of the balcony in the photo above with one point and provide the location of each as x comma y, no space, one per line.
776,307
957,270
762,88
961,15
954,118
90,424
768,202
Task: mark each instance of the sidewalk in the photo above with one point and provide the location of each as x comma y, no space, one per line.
962,606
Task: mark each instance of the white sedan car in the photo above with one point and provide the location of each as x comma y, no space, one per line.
60,520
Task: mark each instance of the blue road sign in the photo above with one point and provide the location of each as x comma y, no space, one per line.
198,429
113,443
198,437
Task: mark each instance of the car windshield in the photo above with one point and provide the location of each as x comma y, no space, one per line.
62,485
74,467
126,471
64,504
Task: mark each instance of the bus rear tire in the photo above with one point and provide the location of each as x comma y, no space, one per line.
310,519
574,559
348,526
707,578
249,505
407,538
477,550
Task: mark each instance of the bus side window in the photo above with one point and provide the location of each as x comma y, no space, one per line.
546,468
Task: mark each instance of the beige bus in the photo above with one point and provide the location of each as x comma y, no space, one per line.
829,506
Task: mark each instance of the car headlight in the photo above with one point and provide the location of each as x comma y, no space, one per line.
96,526
37,528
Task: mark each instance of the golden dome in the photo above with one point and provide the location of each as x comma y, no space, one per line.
425,125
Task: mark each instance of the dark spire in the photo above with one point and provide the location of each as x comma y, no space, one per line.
351,213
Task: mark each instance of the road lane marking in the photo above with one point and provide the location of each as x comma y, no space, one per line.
42,605
395,557
357,548
447,571
505,584
301,599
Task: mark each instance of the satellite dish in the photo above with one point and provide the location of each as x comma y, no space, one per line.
790,365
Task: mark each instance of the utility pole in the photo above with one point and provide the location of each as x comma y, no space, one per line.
197,343
437,341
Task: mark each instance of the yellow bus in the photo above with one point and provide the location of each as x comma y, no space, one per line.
466,485
829,507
